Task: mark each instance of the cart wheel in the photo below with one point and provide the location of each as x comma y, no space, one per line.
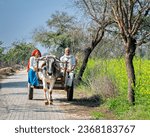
70,92
30,95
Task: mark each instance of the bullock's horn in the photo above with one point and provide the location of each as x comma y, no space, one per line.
42,58
51,56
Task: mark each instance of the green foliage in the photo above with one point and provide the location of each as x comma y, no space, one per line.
114,69
2,55
18,54
1,42
62,32
59,24
97,115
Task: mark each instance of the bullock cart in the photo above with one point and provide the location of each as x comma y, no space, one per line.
59,84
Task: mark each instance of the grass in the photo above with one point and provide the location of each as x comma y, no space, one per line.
97,115
114,70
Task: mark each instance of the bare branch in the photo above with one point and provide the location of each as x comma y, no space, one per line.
131,7
136,24
141,41
139,3
97,34
90,12
138,19
93,8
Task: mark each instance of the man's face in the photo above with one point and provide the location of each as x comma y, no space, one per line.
67,51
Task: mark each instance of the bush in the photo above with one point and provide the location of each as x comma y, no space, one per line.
99,80
103,86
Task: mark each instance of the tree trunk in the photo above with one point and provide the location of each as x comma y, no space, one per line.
87,53
130,52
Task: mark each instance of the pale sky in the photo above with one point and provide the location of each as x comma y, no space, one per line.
19,18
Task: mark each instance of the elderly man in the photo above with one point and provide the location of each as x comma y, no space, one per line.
69,64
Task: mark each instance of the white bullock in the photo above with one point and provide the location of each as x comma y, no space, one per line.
48,71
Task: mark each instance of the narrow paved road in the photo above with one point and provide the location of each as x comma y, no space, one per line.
14,103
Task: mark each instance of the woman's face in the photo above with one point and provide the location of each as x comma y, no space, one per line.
37,54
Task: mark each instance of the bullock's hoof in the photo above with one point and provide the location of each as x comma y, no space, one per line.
51,102
46,103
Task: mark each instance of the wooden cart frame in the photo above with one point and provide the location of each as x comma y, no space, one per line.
59,85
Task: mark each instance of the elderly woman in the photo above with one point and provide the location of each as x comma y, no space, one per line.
32,67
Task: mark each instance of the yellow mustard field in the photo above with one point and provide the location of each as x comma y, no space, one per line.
115,70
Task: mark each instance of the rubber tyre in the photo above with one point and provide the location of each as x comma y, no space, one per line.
70,91
30,95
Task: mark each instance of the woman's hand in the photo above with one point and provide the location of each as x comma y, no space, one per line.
35,68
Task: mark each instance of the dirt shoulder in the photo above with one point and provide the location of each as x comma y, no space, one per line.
84,106
4,72
8,71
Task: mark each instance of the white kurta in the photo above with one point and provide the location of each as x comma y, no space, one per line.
33,63
71,62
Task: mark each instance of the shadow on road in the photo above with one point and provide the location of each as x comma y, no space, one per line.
93,101
17,84
36,99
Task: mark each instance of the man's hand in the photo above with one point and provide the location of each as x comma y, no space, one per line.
65,69
68,70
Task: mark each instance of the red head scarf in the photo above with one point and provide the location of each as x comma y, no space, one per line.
34,52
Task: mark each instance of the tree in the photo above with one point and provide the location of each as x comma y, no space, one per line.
97,11
19,53
1,54
1,42
130,17
63,32
108,48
